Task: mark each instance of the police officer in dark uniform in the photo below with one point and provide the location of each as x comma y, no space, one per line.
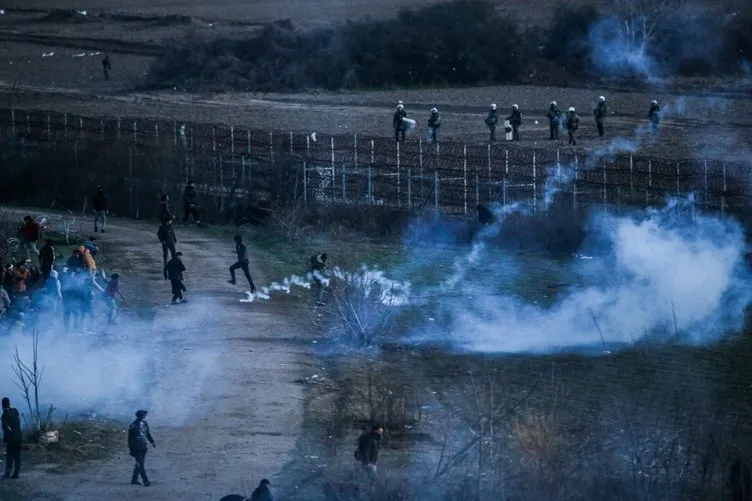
190,208
554,120
600,112
515,120
399,126
654,115
492,119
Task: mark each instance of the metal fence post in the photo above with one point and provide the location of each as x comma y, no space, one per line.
248,142
490,186
725,187
398,174
49,128
420,167
118,129
80,128
232,140
13,122
504,178
28,124
535,183
101,128
370,175
705,186
305,169
156,133
677,179
436,192
574,183
650,183
605,185
464,174
135,129
631,176
292,151
409,186
65,126
332,149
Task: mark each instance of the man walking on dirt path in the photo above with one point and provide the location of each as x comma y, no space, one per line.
190,208
12,438
368,451
30,232
242,251
166,236
99,202
318,268
174,273
139,438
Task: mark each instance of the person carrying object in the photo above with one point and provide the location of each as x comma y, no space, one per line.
242,263
100,209
554,120
318,269
166,236
174,273
12,438
190,208
492,119
368,451
30,231
397,122
139,437
515,120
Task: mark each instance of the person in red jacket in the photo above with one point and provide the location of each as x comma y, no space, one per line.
30,232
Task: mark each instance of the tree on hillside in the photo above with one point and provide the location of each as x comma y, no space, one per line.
642,21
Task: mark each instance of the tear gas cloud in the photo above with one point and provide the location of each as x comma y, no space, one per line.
114,371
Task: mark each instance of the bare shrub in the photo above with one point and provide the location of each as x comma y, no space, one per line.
29,380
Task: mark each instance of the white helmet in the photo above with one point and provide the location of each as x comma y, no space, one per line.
400,106
515,107
571,109
399,102
653,102
553,103
601,99
434,110
493,106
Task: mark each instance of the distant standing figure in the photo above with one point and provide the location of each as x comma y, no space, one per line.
106,66
554,120
30,231
492,119
166,236
485,216
434,123
654,115
600,112
139,438
262,492
242,263
398,124
190,208
572,124
165,214
174,273
100,209
12,437
111,294
318,267
515,120
368,451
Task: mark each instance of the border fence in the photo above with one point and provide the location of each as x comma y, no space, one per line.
63,157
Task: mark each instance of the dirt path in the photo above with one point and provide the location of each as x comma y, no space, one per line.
224,408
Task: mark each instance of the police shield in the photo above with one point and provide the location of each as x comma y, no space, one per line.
408,124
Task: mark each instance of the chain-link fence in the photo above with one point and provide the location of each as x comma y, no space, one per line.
60,158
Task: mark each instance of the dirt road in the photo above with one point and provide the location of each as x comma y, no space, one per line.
224,409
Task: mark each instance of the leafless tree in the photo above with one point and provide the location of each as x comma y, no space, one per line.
28,380
641,20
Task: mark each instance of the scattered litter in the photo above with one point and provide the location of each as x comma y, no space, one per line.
50,437
48,54
2,12
431,319
314,342
82,12
312,457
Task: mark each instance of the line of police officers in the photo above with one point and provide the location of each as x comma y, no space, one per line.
569,121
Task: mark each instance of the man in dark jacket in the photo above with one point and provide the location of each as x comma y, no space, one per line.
46,259
368,451
139,438
515,120
434,123
600,112
654,115
166,236
492,119
398,124
174,273
572,124
318,268
100,209
165,214
242,251
190,207
12,438
554,120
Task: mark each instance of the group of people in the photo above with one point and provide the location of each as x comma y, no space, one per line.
558,121
42,286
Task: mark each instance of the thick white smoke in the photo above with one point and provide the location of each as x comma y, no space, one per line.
658,274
